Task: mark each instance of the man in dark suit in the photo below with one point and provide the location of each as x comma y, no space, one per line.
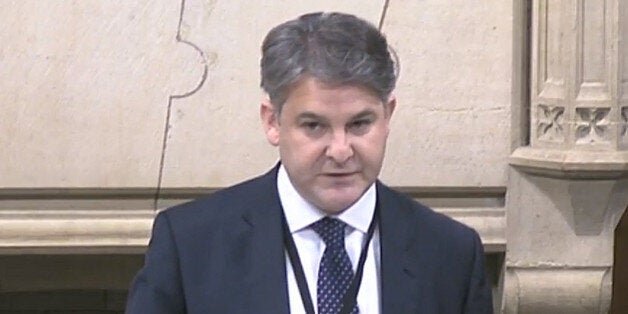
318,233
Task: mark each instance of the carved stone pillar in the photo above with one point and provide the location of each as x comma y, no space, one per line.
570,185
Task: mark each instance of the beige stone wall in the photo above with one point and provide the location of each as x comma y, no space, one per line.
90,87
113,109
452,127
84,91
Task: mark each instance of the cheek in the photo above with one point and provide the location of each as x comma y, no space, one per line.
374,142
372,150
303,155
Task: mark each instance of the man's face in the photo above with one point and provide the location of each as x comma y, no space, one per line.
331,140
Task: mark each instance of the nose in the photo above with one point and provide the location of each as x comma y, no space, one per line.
339,148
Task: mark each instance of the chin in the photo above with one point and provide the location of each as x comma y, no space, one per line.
334,210
339,205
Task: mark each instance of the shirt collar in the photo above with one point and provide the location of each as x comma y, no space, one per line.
300,213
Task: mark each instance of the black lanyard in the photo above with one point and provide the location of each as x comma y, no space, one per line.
349,300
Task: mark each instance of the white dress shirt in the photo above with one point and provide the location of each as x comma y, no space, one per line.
300,214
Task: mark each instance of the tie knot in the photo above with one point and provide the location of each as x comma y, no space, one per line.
331,230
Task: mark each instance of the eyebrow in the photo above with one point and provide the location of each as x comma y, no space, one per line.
309,115
366,113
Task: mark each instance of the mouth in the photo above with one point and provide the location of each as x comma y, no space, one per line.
340,174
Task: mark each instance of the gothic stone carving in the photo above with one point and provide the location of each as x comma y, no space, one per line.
550,123
592,125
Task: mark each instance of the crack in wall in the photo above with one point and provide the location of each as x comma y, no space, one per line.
383,16
177,96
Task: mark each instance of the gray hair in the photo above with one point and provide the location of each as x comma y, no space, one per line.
335,48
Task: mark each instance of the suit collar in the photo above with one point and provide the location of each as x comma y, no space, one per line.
399,270
268,285
299,212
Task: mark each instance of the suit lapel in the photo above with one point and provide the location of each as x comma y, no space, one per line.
404,271
268,285
403,277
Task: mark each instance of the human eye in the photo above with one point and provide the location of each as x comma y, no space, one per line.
313,128
360,126
311,125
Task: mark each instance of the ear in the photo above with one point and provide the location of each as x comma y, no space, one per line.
389,107
270,121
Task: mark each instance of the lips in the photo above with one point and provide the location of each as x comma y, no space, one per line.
340,174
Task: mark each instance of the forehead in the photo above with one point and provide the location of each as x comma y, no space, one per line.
311,92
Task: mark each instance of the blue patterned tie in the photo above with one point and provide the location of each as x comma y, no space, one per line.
335,272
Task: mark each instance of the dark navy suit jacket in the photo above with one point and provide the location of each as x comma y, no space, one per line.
224,254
